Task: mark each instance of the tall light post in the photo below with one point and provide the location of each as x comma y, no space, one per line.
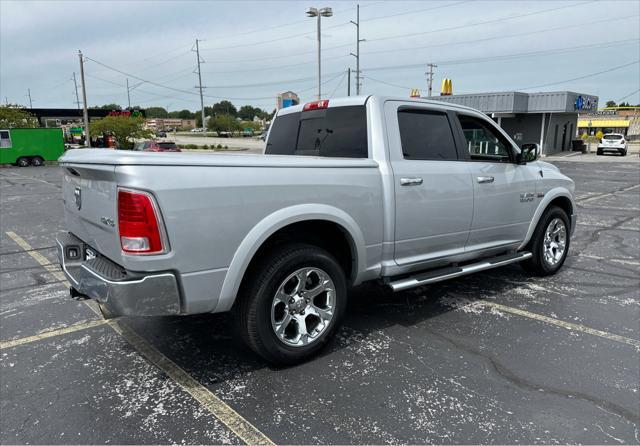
322,12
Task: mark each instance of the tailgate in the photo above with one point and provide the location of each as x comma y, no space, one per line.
90,206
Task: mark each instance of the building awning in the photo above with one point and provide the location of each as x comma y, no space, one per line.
603,123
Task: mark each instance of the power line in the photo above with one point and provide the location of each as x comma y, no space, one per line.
582,77
504,56
486,22
503,36
627,96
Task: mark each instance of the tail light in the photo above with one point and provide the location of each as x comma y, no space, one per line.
317,105
139,223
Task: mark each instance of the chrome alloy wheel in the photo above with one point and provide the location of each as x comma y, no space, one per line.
555,241
302,308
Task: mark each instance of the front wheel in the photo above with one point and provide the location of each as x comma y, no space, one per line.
292,303
23,162
549,244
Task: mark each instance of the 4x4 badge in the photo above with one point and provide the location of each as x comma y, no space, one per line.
78,196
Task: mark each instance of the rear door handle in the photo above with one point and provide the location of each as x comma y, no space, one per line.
411,181
485,179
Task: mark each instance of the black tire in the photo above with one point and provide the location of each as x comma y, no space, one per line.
23,161
253,308
37,161
538,264
623,152
598,152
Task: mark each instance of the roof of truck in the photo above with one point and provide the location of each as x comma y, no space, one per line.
361,100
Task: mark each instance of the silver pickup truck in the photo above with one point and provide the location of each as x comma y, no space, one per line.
406,192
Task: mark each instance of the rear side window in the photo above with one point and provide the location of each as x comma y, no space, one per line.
339,132
426,135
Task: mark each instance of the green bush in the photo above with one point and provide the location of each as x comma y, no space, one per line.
226,147
219,146
205,147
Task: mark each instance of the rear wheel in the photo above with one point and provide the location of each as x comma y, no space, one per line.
599,152
292,303
37,161
549,243
623,152
23,161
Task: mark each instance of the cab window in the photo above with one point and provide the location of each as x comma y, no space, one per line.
483,141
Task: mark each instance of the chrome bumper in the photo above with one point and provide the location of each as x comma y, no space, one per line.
122,292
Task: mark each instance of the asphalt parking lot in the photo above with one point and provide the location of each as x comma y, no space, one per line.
497,357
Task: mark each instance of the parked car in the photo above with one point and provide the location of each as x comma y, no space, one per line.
197,130
156,146
612,142
405,192
161,134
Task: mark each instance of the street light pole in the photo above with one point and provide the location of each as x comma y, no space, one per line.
322,12
357,55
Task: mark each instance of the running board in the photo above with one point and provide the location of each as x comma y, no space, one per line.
441,274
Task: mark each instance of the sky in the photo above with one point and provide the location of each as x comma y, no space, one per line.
251,51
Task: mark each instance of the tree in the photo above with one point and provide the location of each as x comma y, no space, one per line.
125,129
610,104
182,114
247,113
223,123
224,108
14,116
156,112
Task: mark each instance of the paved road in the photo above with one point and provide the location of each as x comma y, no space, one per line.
498,357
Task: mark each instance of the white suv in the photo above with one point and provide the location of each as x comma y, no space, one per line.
612,142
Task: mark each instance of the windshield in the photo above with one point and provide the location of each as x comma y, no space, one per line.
333,132
167,145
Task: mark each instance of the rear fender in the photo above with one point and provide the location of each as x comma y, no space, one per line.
269,226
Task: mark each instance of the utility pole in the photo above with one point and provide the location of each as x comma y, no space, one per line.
349,81
204,123
29,95
357,54
128,96
430,76
75,84
85,111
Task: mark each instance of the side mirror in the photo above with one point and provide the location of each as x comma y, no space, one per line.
528,152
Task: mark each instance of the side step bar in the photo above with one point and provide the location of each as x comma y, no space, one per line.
441,274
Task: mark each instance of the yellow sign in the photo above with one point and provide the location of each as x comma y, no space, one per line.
415,93
447,88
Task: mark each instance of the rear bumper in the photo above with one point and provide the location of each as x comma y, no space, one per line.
617,148
121,292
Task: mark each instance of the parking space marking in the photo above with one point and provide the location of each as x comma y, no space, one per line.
235,422
606,259
608,194
246,431
51,334
32,179
559,323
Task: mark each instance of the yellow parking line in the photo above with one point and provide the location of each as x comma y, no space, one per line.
559,323
243,429
50,334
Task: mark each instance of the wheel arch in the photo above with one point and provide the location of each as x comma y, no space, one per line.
288,222
555,197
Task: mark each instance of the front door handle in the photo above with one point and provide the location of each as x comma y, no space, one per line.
485,179
411,181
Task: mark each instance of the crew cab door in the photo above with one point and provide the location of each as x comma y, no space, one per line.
504,192
432,186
